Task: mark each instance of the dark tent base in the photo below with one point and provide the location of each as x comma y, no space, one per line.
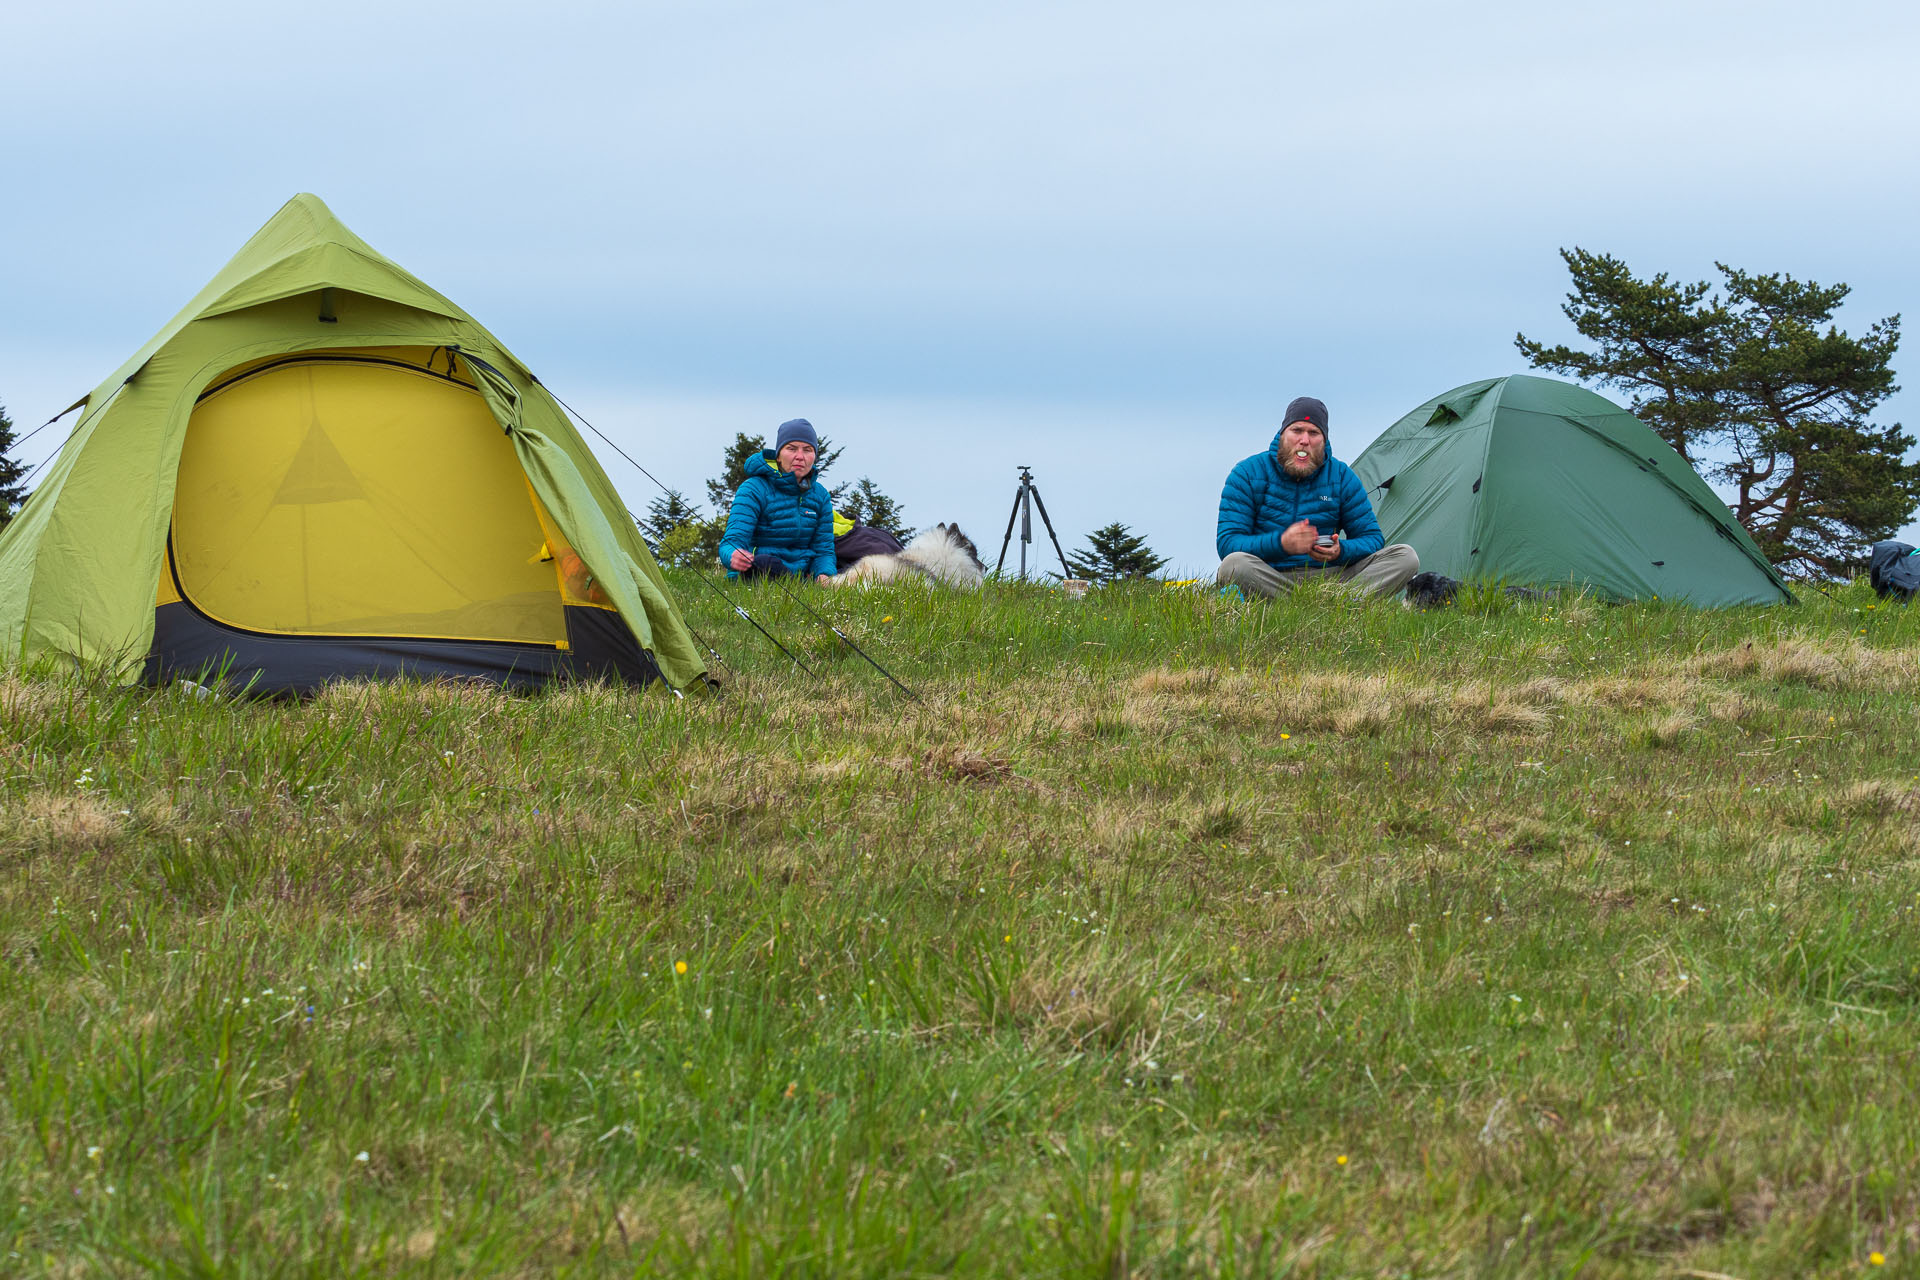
191,646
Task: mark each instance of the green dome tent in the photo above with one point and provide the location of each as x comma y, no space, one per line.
322,469
1535,481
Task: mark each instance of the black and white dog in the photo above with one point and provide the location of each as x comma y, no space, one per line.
941,555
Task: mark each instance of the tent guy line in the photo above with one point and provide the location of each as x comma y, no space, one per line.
828,623
845,639
731,603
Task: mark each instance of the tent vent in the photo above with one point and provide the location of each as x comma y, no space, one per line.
1474,552
1476,483
1441,415
326,308
1659,564
1654,461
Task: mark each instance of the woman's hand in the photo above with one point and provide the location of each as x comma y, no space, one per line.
741,560
820,578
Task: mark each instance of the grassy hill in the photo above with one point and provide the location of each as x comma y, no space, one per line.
1171,935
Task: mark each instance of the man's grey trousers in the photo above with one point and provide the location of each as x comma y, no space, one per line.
1382,573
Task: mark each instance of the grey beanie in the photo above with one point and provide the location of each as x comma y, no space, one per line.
1306,409
802,430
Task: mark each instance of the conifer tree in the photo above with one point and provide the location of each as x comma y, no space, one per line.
865,503
1756,387
1114,552
13,489
673,528
733,468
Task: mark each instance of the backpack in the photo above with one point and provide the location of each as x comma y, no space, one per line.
1894,569
1432,590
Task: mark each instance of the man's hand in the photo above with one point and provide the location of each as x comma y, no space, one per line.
742,559
820,578
1325,555
1298,539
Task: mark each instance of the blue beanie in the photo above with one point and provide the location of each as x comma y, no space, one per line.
798,429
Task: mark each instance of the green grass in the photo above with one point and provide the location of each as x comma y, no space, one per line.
1172,935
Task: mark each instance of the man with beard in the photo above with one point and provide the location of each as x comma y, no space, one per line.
1296,511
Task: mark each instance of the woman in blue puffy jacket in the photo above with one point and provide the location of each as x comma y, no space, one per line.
782,517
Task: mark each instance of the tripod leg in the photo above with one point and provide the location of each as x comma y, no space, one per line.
1026,530
1011,517
1065,572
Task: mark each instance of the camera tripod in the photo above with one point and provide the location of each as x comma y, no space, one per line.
1025,499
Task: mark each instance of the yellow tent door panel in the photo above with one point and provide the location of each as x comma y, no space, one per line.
347,496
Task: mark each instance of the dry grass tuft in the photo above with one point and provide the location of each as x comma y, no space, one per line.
1880,798
1155,712
1102,1002
834,768
1147,715
1189,681
1340,701
967,765
595,697
1117,829
1731,707
1218,820
1544,691
1366,718
1669,730
33,700
1532,836
372,699
1514,717
1821,663
1801,662
1640,693
1481,707
64,823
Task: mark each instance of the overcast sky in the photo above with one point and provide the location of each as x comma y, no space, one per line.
1108,239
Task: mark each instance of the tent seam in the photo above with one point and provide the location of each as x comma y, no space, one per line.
1712,517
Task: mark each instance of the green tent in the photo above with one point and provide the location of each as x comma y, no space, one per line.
322,469
1535,481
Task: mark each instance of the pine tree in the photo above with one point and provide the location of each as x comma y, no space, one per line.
673,528
733,469
1754,386
742,452
666,513
13,474
1114,552
864,503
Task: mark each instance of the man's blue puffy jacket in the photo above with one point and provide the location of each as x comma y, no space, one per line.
1261,501
775,514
